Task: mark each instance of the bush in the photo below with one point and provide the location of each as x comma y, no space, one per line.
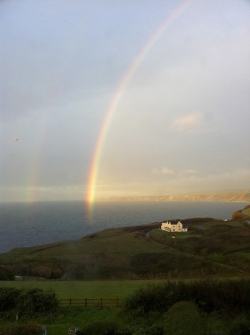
99,328
152,330
227,297
240,326
28,301
126,330
29,328
36,300
8,298
183,318
5,332
152,298
6,274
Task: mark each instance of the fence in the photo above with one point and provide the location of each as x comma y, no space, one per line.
89,302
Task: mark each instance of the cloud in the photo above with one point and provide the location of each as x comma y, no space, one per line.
163,170
166,171
190,171
180,184
155,171
186,122
231,180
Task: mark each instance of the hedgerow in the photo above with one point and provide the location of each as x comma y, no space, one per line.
228,297
8,298
27,301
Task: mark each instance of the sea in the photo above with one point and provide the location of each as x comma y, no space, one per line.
29,224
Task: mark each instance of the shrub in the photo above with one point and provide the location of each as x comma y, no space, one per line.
5,332
6,274
126,330
240,326
183,318
8,298
152,298
36,300
152,330
29,328
99,328
228,297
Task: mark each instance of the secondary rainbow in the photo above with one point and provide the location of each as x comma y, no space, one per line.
93,174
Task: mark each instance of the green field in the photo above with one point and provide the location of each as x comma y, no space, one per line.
85,289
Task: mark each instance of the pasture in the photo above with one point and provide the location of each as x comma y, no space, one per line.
85,289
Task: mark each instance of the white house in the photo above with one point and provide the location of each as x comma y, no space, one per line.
173,227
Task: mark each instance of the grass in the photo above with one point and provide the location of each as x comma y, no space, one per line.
124,253
115,241
246,211
245,254
66,318
75,316
85,289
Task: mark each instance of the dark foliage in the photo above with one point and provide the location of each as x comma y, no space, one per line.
152,264
240,326
6,274
183,318
228,297
8,298
99,328
40,268
37,300
27,302
29,328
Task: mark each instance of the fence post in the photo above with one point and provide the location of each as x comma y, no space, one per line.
70,301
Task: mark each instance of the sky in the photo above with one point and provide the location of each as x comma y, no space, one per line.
123,98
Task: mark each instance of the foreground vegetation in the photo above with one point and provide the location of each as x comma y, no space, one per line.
215,307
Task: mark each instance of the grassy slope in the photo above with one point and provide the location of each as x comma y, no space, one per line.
211,247
246,211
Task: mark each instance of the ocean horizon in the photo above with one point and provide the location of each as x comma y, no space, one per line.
29,224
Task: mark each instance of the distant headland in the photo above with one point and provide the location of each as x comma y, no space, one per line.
232,196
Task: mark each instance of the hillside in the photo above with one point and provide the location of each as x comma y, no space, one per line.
211,247
243,214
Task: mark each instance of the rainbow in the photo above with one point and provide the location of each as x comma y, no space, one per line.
174,14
